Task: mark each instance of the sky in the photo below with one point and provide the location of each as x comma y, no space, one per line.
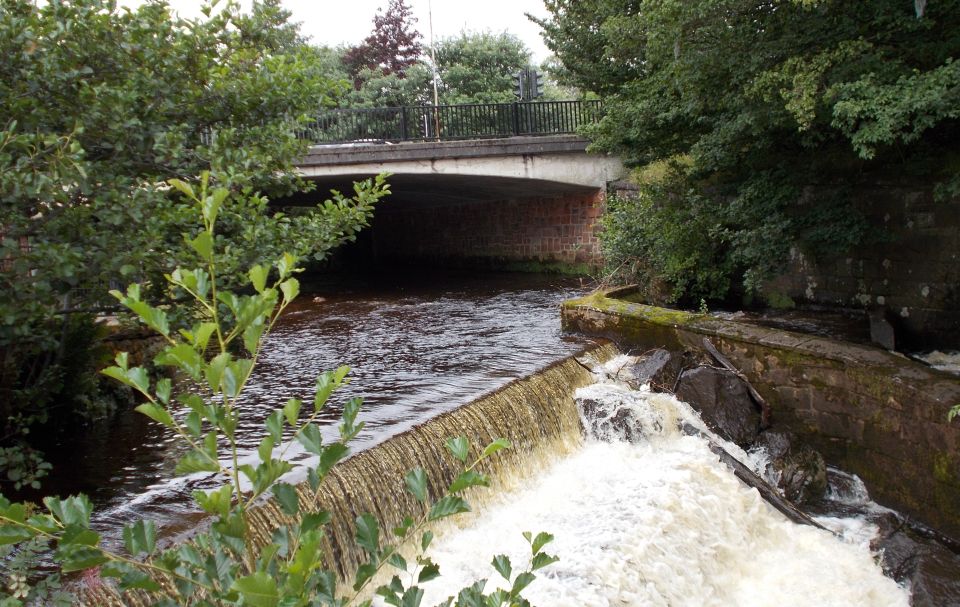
333,22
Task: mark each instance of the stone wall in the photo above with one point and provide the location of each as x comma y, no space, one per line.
544,230
869,411
914,272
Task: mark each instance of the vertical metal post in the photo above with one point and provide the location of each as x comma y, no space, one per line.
403,124
516,118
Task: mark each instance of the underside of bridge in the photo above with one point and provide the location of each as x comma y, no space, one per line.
482,221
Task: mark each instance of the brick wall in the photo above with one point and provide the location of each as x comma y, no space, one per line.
914,273
537,229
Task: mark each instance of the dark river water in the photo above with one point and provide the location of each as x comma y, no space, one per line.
416,347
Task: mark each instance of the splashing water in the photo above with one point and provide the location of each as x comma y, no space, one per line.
646,515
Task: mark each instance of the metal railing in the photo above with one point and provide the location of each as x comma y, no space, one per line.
451,122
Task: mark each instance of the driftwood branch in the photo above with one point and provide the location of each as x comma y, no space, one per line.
725,362
751,479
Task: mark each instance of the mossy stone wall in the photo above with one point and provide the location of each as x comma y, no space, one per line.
871,412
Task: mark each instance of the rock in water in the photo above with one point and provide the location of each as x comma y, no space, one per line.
800,471
882,331
659,368
723,401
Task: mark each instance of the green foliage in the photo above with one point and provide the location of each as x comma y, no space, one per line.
478,67
18,586
224,566
953,412
782,108
100,106
471,68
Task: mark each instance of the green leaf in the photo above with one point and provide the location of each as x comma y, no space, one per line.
368,533
502,564
74,510
156,413
541,560
258,590
540,541
430,571
425,540
416,482
404,527
252,335
215,502
185,188
13,534
311,439
140,537
397,560
497,445
413,596
183,357
274,425
258,277
314,520
523,580
291,411
265,450
331,456
448,505
459,447
163,389
364,573
203,245
467,479
348,426
290,289
79,557
287,497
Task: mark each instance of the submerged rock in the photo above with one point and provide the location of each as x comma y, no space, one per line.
800,471
723,401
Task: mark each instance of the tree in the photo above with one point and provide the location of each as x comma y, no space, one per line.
392,47
100,106
774,110
479,67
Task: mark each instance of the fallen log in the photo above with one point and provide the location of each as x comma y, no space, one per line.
748,477
726,364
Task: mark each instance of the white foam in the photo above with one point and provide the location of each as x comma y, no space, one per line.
944,361
661,522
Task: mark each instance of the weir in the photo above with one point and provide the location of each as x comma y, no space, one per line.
536,413
643,511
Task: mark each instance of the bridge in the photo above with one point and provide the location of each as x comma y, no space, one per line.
484,183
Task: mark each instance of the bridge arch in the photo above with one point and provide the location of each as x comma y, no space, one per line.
521,200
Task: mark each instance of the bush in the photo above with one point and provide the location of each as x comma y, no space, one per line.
225,565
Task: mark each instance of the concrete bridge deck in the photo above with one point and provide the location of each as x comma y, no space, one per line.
480,169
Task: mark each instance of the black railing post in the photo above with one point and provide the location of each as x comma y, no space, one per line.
403,124
516,118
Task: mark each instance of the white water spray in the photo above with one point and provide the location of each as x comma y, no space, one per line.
658,521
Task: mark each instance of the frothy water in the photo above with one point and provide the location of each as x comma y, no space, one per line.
659,520
944,361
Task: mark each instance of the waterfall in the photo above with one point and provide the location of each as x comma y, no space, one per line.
536,413
645,514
